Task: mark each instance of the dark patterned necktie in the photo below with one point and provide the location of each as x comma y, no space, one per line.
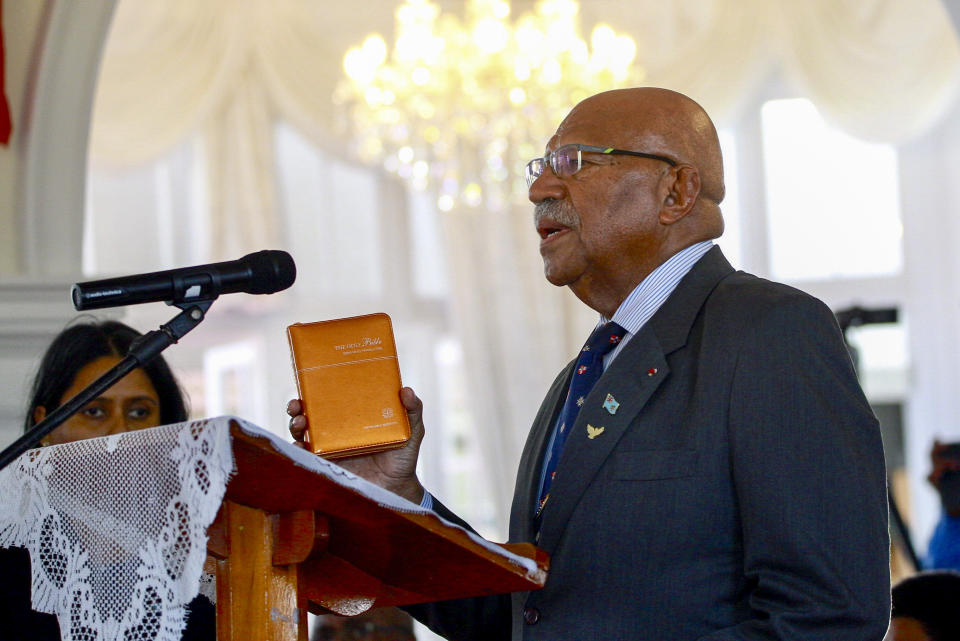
586,373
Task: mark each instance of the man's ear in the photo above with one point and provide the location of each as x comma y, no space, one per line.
681,195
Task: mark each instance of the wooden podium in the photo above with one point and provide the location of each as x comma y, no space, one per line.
288,539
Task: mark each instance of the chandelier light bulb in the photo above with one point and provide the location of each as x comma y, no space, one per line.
467,101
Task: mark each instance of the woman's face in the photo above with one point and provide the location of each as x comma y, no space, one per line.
130,404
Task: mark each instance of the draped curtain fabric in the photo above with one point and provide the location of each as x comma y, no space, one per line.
238,146
883,70
517,330
224,71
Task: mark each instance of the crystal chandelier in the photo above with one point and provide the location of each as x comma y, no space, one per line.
457,107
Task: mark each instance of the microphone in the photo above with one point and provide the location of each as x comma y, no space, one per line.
262,272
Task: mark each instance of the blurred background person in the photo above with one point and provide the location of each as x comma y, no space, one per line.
925,608
943,551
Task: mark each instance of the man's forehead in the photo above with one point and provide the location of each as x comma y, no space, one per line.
593,132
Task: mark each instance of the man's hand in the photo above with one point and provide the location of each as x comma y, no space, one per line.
394,470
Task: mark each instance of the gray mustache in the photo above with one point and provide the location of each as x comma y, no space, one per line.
558,211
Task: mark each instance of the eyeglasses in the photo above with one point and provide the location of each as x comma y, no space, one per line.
567,160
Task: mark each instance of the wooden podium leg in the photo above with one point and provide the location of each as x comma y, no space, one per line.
255,598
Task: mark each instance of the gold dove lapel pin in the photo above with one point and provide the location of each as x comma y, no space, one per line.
594,432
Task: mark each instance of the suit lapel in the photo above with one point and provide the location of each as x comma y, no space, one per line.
632,379
582,455
531,461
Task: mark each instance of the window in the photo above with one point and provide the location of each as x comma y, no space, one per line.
730,242
148,217
234,382
464,473
429,269
331,210
833,201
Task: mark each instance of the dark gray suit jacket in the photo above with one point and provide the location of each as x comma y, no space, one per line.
738,492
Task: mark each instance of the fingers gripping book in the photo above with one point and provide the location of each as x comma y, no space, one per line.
348,380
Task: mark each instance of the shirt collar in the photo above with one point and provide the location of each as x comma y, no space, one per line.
647,297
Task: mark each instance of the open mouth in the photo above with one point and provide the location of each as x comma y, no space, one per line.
548,229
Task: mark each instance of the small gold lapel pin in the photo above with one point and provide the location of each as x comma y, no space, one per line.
594,432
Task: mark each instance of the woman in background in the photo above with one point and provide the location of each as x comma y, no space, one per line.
79,355
146,397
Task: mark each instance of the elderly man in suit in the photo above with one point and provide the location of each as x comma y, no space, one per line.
708,467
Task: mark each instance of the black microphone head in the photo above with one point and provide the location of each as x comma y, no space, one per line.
272,271
76,295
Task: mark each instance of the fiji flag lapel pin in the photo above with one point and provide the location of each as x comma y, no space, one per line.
610,404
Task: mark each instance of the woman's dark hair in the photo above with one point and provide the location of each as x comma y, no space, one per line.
930,597
84,342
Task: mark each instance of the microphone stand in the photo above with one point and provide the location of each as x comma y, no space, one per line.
141,352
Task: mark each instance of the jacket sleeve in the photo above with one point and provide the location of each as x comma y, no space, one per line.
474,619
810,482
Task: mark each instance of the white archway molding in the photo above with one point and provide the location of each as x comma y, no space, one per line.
57,121
51,181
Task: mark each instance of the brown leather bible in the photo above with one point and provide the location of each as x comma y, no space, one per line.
348,379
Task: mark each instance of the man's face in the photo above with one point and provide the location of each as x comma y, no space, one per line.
599,228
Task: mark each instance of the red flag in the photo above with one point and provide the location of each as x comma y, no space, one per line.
6,126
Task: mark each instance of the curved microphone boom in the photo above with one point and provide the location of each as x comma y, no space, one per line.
262,272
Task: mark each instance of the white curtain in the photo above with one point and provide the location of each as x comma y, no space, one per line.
884,70
516,329
225,71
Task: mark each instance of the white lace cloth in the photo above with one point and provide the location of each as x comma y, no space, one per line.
116,526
